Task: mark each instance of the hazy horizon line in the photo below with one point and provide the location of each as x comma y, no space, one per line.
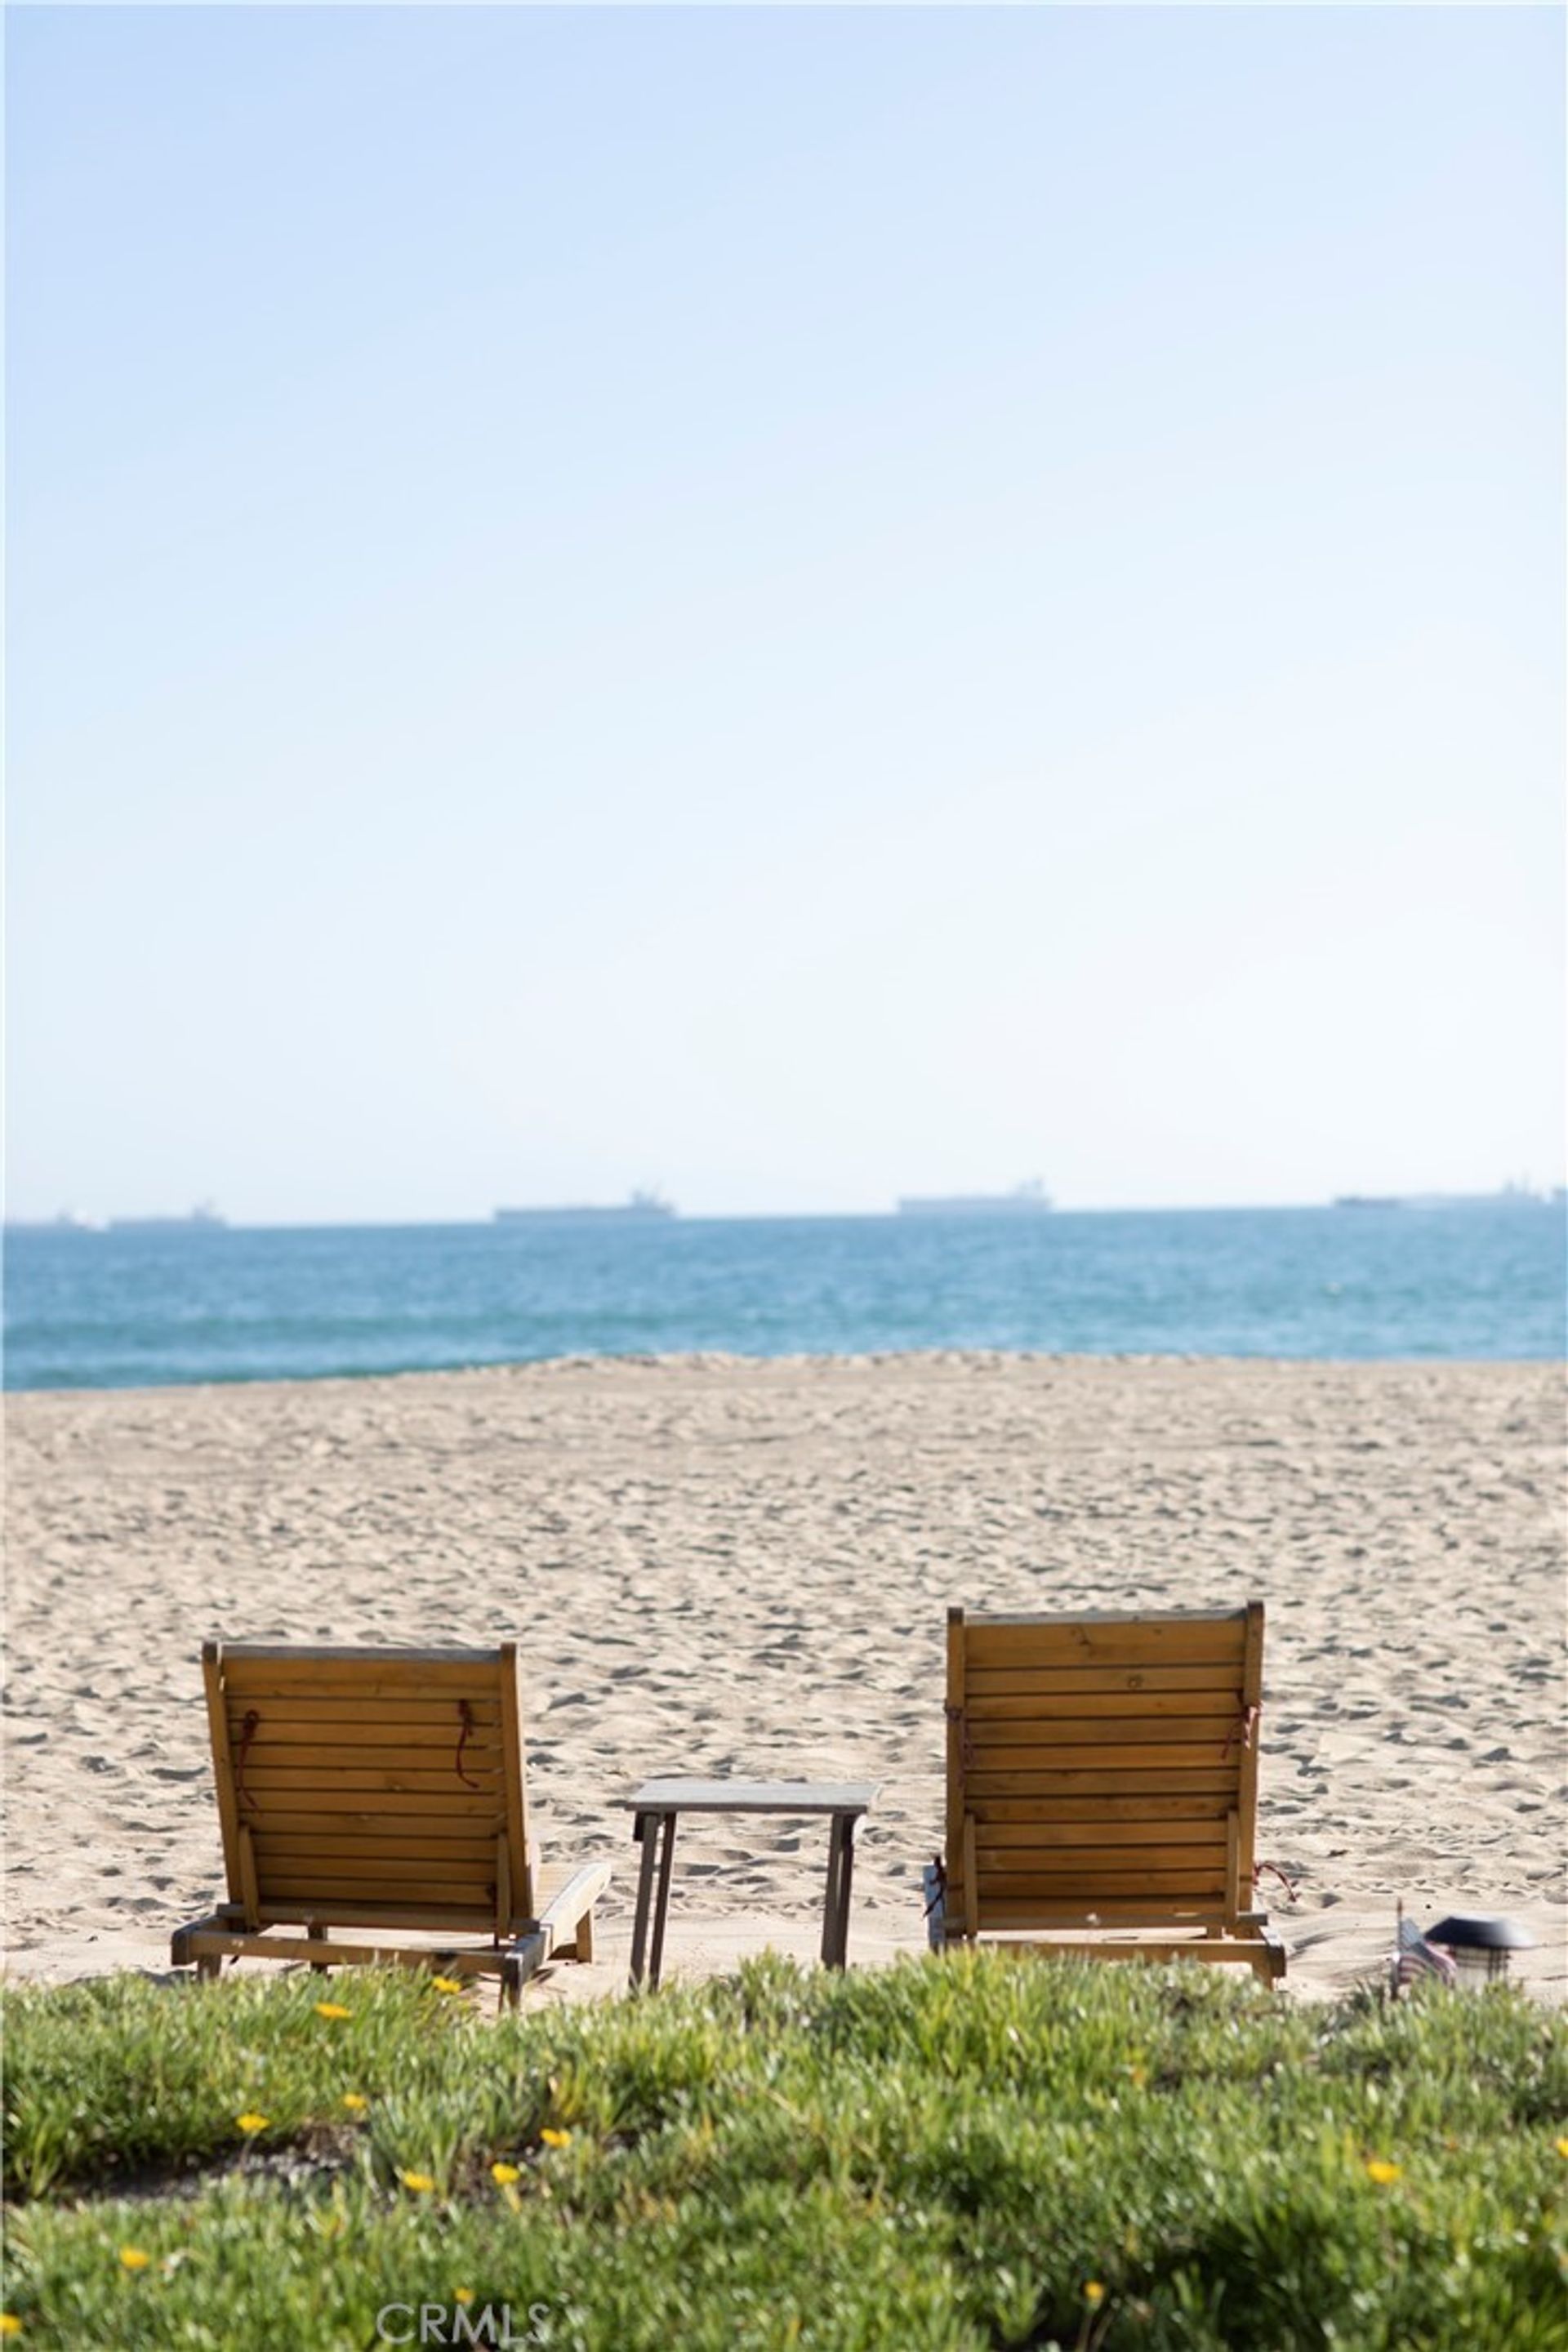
1546,1195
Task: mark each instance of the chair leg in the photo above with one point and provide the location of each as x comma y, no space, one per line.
521,1961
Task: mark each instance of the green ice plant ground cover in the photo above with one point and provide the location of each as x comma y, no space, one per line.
975,2151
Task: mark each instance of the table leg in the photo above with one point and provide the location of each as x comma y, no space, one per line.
846,1873
645,1830
661,1909
830,1895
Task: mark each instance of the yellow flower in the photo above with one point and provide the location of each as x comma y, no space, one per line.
448,1984
1563,2147
131,2258
462,2294
355,2102
555,2139
332,2009
1382,2172
420,2182
250,2121
1093,2294
503,2175
9,2323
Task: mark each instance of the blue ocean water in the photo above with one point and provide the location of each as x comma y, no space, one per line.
142,1309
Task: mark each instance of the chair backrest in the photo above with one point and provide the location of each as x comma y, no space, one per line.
1101,1768
371,1787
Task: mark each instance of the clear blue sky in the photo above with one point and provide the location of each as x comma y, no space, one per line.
794,605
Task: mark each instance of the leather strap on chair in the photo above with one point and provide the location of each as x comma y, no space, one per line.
1242,1729
466,1716
247,1734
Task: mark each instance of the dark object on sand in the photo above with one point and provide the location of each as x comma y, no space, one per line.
1480,1946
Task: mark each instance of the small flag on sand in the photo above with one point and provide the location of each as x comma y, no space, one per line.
1415,1958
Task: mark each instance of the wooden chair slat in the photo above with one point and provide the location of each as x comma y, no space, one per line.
1108,1913
306,1792
1058,1682
398,1677
1065,1861
352,1706
475,1853
1110,1707
1125,1755
323,1905
1153,1641
310,1772
1007,1735
278,1738
1090,1884
284,1874
1008,1837
366,1833
1048,1810
1099,1778
379,1722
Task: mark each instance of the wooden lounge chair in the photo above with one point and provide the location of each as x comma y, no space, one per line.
1102,1785
379,1791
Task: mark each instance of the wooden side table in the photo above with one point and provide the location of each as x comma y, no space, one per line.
659,1802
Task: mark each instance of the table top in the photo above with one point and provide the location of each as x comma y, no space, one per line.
752,1797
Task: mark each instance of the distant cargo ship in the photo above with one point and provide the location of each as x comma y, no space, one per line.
642,1208
1030,1199
1510,1196
204,1218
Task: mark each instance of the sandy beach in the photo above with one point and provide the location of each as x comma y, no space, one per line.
721,1566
